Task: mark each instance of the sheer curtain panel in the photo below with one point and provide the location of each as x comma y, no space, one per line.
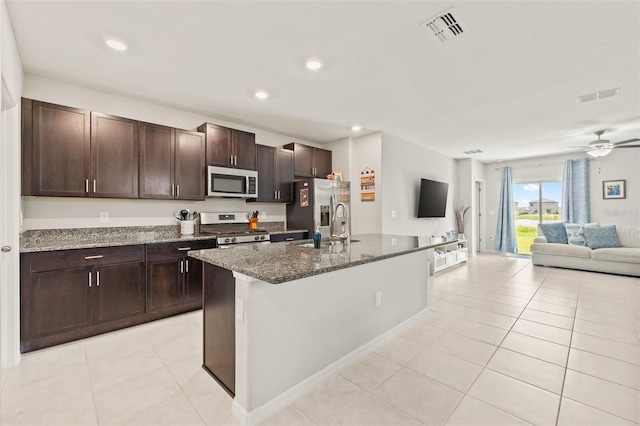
576,204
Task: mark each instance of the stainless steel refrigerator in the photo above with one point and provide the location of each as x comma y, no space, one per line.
316,202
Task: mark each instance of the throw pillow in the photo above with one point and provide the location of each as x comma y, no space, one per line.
554,232
575,233
602,237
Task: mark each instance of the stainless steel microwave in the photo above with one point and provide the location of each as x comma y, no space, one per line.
227,182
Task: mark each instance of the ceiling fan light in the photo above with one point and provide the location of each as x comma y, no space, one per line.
600,152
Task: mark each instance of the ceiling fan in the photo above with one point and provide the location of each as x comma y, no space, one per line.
602,147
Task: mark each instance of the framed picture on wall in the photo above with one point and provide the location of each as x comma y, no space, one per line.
614,189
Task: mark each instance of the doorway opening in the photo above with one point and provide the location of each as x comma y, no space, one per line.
535,203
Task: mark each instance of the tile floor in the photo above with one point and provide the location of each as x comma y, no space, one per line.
504,343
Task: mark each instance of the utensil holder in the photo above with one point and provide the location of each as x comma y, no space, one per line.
253,223
187,227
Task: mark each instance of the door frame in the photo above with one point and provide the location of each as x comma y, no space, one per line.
479,218
10,189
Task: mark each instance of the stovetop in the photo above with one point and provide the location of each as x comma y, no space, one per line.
231,228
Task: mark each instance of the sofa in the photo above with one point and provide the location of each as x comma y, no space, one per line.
598,251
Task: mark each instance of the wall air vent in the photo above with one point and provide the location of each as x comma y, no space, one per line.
445,26
473,151
598,95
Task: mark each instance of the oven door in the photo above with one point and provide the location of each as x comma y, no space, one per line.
226,182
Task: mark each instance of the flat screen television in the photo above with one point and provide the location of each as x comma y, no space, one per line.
433,198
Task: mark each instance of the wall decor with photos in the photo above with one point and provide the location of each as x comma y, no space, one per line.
614,189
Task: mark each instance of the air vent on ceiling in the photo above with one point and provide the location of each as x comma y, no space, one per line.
445,26
473,151
598,95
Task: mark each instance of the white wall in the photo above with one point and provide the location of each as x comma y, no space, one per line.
470,171
620,164
403,165
366,151
43,212
340,156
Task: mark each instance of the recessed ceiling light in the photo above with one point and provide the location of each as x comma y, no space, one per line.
356,128
116,45
314,64
262,94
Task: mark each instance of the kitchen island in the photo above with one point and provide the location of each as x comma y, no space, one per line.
281,318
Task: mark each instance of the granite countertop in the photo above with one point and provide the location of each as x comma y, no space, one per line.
66,239
281,262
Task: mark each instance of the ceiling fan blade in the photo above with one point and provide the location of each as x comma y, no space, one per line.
626,146
579,146
625,142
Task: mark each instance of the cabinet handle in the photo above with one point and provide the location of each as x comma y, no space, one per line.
184,248
275,194
177,190
289,239
94,185
235,160
89,279
186,264
99,256
173,190
86,185
182,266
231,160
98,278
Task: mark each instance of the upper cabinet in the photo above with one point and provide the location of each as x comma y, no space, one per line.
56,150
229,147
275,174
310,161
71,152
172,163
114,157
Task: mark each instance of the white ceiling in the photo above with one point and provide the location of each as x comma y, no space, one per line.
507,87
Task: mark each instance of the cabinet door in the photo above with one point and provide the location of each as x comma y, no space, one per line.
190,165
193,282
266,172
322,162
60,150
156,161
219,150
284,175
114,156
60,301
165,284
244,149
118,292
303,160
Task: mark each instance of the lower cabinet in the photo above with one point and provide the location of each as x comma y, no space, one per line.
173,279
68,295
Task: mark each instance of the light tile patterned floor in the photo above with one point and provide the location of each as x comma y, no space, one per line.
504,343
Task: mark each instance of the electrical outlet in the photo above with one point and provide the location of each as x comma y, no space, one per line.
263,215
378,297
394,213
104,217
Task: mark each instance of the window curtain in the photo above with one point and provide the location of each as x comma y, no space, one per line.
506,228
576,203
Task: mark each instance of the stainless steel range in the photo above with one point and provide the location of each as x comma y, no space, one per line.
231,228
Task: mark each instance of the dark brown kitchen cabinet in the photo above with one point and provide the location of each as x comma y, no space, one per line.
173,279
310,161
229,147
275,174
172,163
114,157
70,294
56,146
219,337
71,152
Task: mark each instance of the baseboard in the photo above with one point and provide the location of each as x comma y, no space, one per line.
285,399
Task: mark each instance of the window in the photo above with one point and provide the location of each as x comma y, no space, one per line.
534,203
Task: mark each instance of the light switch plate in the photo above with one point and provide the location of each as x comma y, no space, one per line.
378,297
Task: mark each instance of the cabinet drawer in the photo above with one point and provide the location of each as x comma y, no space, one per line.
178,249
288,236
67,259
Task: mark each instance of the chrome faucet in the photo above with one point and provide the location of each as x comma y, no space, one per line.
344,232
